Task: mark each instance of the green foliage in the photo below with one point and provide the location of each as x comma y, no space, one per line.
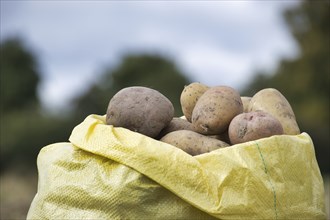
19,77
24,130
305,81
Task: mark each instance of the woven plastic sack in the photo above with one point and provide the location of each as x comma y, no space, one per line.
113,173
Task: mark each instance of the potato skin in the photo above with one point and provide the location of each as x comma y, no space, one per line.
246,101
215,109
175,125
222,137
140,109
192,142
189,97
272,101
252,126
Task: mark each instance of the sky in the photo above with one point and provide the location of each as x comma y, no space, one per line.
213,42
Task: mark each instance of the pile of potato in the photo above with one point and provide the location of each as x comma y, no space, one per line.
214,117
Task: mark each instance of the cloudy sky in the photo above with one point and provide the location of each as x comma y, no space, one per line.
214,42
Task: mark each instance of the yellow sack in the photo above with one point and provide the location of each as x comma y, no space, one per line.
113,173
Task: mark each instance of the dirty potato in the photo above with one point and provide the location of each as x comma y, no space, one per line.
175,125
189,97
272,101
246,101
252,126
224,136
192,142
215,109
140,109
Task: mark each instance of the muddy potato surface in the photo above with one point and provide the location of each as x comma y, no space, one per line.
175,125
140,109
252,126
215,109
246,101
189,97
272,101
222,137
192,142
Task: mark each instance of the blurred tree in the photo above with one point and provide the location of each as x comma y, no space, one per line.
23,129
305,80
19,76
152,71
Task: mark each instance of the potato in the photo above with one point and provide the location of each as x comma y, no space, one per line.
246,101
224,136
215,109
192,142
252,126
140,109
177,124
272,101
189,97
